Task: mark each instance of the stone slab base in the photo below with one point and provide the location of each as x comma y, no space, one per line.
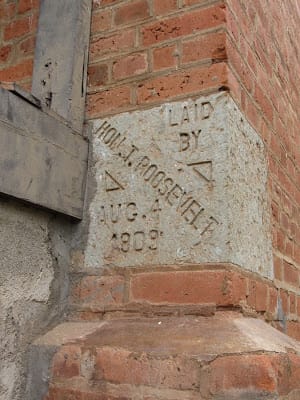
225,356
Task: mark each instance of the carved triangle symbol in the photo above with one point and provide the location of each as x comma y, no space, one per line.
111,183
203,169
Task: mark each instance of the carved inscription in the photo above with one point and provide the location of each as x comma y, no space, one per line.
116,212
173,183
111,183
165,186
203,169
199,112
136,241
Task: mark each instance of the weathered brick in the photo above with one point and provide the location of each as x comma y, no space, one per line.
66,362
290,274
132,11
293,304
98,74
241,372
189,287
181,83
100,290
120,41
64,393
184,24
258,295
129,66
20,27
164,7
108,100
209,46
5,52
17,72
272,300
123,366
27,5
101,21
283,294
193,2
165,57
27,46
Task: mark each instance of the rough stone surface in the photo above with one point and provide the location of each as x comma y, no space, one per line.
180,183
33,286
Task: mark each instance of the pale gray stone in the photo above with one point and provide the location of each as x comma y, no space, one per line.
185,182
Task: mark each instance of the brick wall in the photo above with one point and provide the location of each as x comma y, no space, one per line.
142,52
18,22
147,52
263,56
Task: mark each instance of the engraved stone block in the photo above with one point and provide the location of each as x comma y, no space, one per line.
185,182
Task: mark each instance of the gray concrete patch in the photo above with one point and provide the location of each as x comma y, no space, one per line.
33,287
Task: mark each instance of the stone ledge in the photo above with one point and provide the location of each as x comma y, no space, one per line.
218,357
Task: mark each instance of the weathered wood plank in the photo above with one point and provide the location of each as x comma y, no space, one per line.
42,160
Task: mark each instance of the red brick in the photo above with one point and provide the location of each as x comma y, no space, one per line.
164,7
121,41
238,65
275,207
122,366
290,274
27,5
298,306
193,2
287,370
20,27
7,11
100,290
235,86
164,57
133,11
241,372
98,74
108,100
183,25
64,393
293,305
272,300
185,82
188,287
101,21
284,301
66,362
5,52
278,270
17,72
209,46
102,3
258,295
134,64
293,330
264,103
27,46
